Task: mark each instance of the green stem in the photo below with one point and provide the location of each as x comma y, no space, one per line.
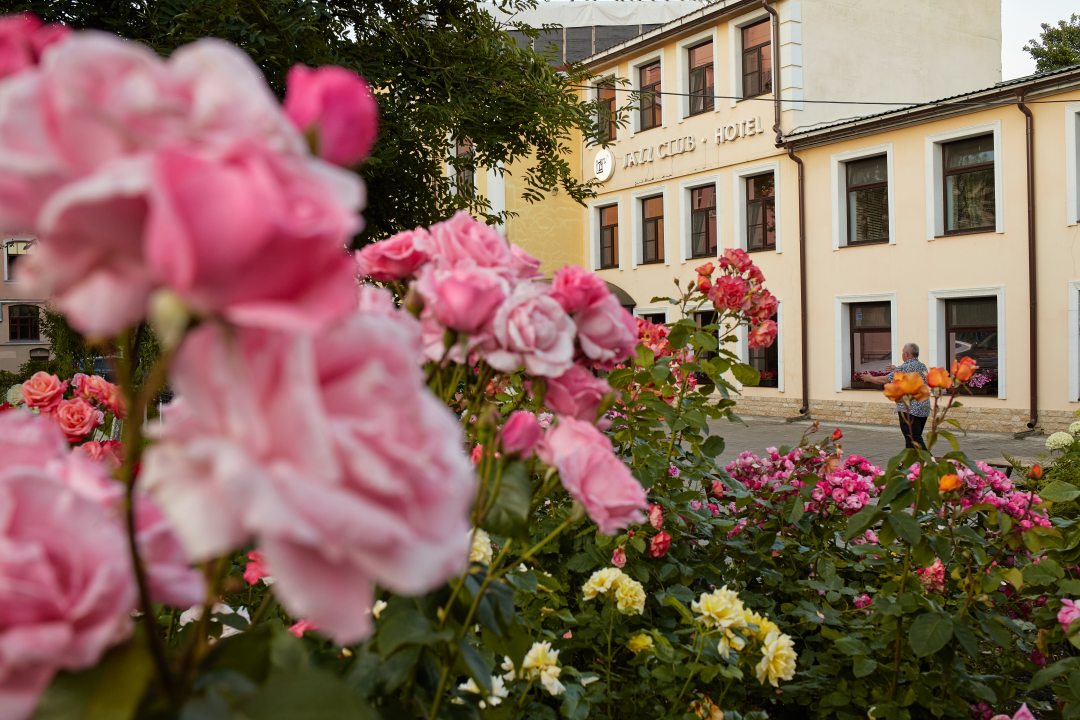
700,645
610,659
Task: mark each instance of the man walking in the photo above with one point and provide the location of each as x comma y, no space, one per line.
912,417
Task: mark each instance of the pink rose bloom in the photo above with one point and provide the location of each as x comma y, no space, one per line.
396,258
764,306
99,390
255,570
533,330
577,393
728,292
521,433
43,391
328,452
656,516
659,544
524,265
1022,714
109,452
66,586
862,601
736,258
23,38
576,288
618,557
463,299
1068,613
593,475
299,628
169,573
606,332
463,240
77,418
762,335
336,107
30,440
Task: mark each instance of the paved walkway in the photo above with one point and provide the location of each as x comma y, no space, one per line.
875,442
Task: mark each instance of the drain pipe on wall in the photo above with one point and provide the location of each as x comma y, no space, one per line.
1033,321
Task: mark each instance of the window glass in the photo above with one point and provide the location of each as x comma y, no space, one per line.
14,250
703,221
767,362
23,322
649,87
869,341
969,151
465,174
652,229
756,59
755,34
867,171
971,331
969,184
701,78
605,96
609,236
867,200
760,212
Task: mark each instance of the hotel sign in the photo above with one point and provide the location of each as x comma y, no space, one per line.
730,132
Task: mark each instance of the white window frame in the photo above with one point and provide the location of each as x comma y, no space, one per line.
1072,163
936,345
682,67
735,52
8,241
612,73
636,229
838,163
685,249
739,199
1074,341
842,341
594,206
935,179
652,309
635,84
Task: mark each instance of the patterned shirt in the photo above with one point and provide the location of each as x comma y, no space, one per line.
919,408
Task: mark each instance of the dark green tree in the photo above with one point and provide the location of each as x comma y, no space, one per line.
1057,46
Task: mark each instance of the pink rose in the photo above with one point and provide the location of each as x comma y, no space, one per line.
618,557
23,38
336,107
255,570
762,335
396,258
576,288
659,544
862,601
524,265
463,240
521,433
29,439
736,258
77,418
170,575
593,475
302,626
1068,613
656,516
463,299
109,452
533,330
328,452
66,586
99,390
728,292
577,393
43,391
606,332
764,305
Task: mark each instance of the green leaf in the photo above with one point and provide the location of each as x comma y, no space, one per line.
478,668
1046,572
644,357
706,341
1059,491
860,521
906,527
746,374
930,632
111,690
402,624
713,446
312,695
863,666
672,601
509,516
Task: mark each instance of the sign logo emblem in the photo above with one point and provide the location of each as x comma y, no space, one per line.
603,165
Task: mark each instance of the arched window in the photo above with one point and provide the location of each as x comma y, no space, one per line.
24,322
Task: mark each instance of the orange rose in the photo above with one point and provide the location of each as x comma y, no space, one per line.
964,368
706,269
704,284
948,483
938,378
1035,473
907,386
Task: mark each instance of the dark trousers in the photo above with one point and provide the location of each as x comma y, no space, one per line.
913,431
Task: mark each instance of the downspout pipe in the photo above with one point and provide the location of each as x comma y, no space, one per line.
776,70
1033,319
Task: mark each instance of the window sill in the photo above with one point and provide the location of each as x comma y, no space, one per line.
706,256
700,112
652,262
865,242
24,342
641,130
608,267
974,231
761,250
753,97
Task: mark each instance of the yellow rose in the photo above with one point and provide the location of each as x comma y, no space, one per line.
601,582
630,596
777,659
481,548
720,609
640,643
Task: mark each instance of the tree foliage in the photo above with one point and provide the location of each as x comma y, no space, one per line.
443,70
1057,46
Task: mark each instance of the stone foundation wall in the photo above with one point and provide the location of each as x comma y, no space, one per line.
1004,420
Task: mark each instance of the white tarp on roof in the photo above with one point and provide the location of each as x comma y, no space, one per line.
588,13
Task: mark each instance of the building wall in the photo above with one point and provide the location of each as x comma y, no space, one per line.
14,353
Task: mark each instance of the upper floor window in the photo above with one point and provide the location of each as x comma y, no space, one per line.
761,212
24,322
609,236
652,229
756,59
968,183
605,98
649,111
703,221
13,252
465,173
701,84
867,200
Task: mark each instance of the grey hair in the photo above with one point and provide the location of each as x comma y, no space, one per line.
912,349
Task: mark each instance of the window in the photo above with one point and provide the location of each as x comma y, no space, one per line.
756,59
869,341
767,362
760,212
968,169
609,237
649,112
703,221
867,200
652,229
605,97
701,77
13,252
23,323
40,354
658,318
464,173
971,331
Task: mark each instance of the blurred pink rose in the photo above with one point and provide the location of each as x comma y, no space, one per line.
577,393
618,557
396,258
337,108
255,570
66,586
172,579
656,516
521,433
1068,613
302,626
464,298
43,391
328,452
762,335
576,288
524,265
110,452
23,38
77,418
593,475
606,332
99,390
30,440
533,330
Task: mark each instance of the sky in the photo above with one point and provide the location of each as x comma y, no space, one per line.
1020,20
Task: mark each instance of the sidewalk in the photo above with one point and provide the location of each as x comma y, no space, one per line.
875,442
